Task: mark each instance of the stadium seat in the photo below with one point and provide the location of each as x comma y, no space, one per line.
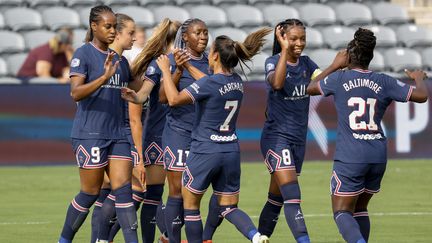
23,19
233,33
39,4
9,80
257,65
79,37
314,38
323,57
353,13
79,4
412,36
3,68
115,4
213,16
36,38
142,16
377,63
275,13
244,16
398,59
84,15
427,58
337,36
386,37
6,4
268,45
154,3
185,3
57,17
227,2
172,12
14,62
2,22
261,3
314,14
11,42
387,13
43,80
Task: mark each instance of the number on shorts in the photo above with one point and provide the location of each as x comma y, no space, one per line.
233,105
95,153
286,157
180,156
354,125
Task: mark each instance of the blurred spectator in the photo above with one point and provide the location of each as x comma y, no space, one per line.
138,45
50,59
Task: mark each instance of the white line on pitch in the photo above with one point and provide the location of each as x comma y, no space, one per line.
370,214
22,223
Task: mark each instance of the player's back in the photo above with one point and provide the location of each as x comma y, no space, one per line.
219,99
361,99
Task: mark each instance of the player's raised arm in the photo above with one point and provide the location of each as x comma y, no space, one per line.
81,90
420,93
339,62
173,95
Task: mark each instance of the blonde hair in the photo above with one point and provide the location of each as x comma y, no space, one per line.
163,35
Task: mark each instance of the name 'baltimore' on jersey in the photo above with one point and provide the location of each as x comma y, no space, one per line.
101,115
361,98
287,108
218,99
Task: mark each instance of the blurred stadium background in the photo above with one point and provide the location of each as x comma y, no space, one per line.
36,117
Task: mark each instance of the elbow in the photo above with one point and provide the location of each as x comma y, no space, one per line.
172,102
423,99
75,96
163,100
277,86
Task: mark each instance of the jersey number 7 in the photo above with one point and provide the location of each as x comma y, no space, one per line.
231,105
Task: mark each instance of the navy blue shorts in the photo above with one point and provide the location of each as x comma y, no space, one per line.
222,170
152,153
176,146
352,179
281,155
95,153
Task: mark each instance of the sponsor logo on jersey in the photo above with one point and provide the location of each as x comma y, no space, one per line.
218,138
151,70
374,136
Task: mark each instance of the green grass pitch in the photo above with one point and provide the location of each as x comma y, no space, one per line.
33,203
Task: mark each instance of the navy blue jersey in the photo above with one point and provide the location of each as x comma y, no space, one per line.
156,111
218,98
102,114
361,98
288,108
182,117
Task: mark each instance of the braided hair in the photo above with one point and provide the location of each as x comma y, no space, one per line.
286,25
360,49
179,42
95,16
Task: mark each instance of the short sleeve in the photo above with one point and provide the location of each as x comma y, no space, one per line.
328,85
200,89
270,66
78,65
313,68
397,90
153,73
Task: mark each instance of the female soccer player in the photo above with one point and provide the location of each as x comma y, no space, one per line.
284,135
192,37
150,147
214,156
98,136
361,98
106,229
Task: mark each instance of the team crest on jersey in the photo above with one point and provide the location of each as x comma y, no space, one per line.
270,66
75,62
151,70
402,84
304,74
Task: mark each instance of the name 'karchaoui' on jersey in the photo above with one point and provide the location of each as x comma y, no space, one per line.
218,98
361,98
288,108
101,115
